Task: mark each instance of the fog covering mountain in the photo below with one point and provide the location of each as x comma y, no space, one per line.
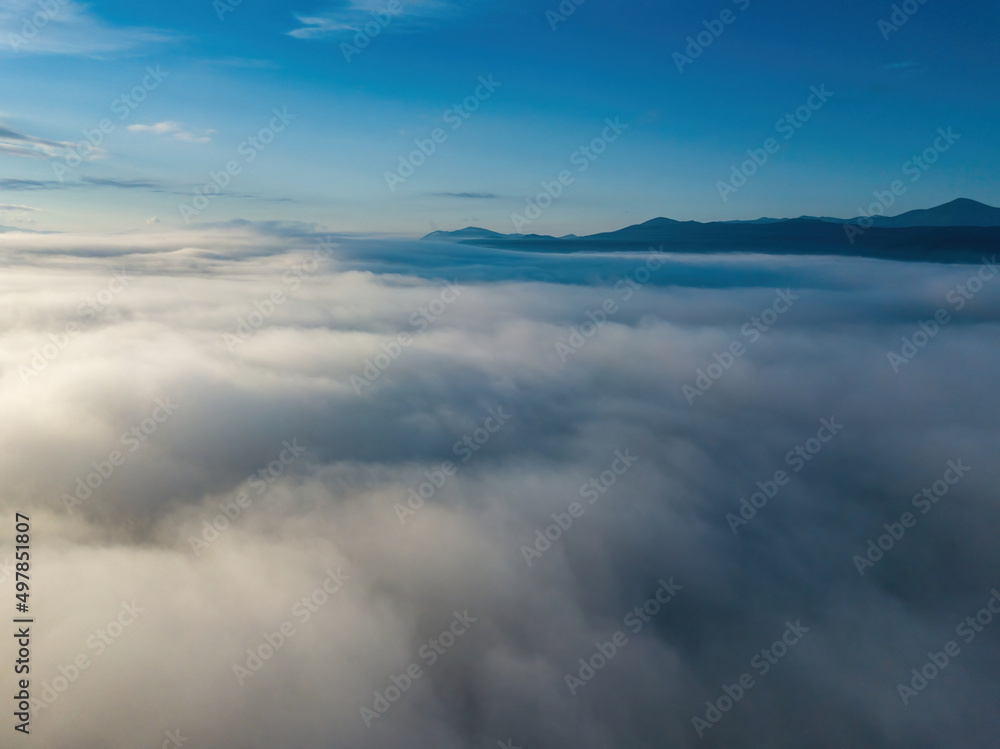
959,231
591,362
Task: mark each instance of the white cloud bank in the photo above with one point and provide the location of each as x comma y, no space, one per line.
147,374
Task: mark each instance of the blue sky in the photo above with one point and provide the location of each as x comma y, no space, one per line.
355,119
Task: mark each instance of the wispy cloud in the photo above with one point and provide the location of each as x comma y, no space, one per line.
26,185
66,27
124,184
14,143
160,128
30,185
189,137
352,16
468,195
173,130
245,63
113,183
318,26
12,207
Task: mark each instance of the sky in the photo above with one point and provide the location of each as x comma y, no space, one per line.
358,105
295,477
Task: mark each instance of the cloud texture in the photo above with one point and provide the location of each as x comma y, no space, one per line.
168,366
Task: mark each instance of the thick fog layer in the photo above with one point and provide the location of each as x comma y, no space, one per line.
297,490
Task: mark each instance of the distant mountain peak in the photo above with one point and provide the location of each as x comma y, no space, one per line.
956,213
469,232
659,221
964,202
